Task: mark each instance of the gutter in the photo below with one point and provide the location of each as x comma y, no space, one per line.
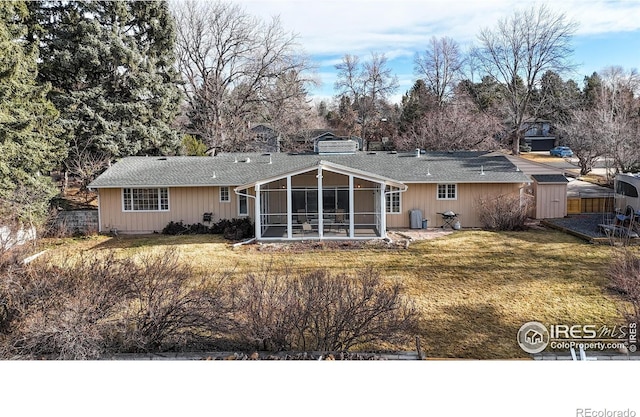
235,190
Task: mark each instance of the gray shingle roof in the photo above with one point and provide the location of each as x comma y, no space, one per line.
246,168
550,178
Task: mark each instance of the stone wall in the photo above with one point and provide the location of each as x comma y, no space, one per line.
77,222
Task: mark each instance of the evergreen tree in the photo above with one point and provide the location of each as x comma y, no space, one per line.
488,95
415,104
591,90
111,66
29,148
555,99
192,146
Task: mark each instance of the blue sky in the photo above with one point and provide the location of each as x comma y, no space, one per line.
608,32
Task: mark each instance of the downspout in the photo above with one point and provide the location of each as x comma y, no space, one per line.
237,192
384,207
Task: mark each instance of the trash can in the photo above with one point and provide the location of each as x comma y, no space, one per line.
425,223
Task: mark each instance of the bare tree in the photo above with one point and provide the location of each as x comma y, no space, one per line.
583,135
368,85
230,61
459,125
618,109
85,162
291,111
518,52
440,66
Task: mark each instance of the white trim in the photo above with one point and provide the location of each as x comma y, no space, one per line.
332,167
257,212
238,204
228,200
160,210
320,203
388,195
352,209
289,209
447,191
383,211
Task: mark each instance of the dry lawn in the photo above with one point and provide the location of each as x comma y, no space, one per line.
474,289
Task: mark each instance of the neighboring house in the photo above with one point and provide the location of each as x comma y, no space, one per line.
357,195
309,139
538,135
264,138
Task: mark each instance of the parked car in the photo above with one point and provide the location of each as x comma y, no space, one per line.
525,148
561,151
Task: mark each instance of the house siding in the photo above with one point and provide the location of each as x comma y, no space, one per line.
423,197
551,200
186,204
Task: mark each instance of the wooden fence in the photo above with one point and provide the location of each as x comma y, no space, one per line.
577,205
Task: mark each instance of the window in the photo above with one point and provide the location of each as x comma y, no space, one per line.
145,199
447,192
224,195
243,205
393,200
626,189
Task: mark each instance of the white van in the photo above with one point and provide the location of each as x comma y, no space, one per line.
627,188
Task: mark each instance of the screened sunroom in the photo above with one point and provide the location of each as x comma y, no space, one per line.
326,201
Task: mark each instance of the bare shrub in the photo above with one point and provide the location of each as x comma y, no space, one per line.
169,308
99,303
320,311
624,273
86,308
268,312
503,212
65,311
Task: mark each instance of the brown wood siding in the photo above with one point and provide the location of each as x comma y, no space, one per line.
423,197
551,201
186,204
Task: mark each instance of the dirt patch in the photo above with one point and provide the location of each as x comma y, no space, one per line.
396,240
308,246
418,234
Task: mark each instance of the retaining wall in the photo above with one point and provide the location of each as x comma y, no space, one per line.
77,221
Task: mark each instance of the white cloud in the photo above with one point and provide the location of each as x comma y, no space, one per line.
332,27
328,29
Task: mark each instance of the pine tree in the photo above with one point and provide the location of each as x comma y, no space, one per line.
110,64
29,147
